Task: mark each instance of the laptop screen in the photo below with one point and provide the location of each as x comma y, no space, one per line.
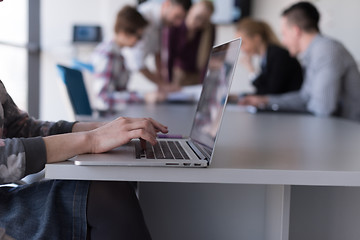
215,91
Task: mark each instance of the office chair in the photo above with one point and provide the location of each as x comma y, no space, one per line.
76,89
80,65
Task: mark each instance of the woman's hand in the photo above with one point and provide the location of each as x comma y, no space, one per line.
254,100
122,130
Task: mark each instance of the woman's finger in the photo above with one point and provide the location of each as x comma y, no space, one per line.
142,124
140,133
158,126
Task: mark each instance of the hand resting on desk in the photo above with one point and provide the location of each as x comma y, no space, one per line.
254,100
100,137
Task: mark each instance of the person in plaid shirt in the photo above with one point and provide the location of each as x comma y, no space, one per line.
111,73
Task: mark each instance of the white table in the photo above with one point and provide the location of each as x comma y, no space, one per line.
257,163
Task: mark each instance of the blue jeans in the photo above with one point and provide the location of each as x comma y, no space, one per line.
50,209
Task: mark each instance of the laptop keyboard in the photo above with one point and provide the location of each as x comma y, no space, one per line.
162,150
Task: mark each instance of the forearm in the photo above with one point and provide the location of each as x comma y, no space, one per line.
102,139
86,126
65,146
158,63
179,76
62,147
154,77
289,101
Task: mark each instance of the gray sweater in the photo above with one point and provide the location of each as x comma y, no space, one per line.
22,149
331,82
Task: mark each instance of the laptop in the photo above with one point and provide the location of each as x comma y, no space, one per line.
198,149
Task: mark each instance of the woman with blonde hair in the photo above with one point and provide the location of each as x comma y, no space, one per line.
280,73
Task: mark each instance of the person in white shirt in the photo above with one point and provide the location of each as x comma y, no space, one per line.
167,13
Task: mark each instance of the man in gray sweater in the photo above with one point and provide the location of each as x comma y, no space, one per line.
331,84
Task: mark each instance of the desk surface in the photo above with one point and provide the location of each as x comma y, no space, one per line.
263,148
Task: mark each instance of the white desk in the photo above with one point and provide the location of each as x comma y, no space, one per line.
272,151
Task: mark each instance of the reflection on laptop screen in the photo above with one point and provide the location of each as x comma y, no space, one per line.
214,94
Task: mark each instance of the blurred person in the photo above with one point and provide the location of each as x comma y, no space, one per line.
111,75
280,73
187,48
331,80
167,13
185,51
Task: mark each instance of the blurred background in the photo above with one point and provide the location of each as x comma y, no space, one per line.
35,35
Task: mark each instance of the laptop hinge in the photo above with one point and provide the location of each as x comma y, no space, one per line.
200,155
202,148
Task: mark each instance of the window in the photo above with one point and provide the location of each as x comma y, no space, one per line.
13,50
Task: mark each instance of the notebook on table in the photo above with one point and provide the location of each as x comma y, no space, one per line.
198,149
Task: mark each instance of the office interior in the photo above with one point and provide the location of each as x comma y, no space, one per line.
56,20
35,85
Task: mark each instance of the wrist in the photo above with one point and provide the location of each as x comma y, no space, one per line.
93,141
89,141
271,105
262,102
266,99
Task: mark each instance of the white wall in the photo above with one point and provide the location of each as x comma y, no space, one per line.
339,20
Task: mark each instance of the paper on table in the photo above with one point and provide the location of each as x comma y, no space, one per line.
186,94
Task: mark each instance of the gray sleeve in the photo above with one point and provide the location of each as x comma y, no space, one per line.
326,81
20,157
320,91
294,101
